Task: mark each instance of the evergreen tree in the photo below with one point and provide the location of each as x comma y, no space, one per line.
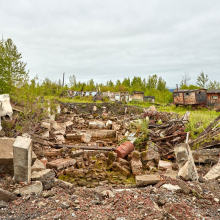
12,69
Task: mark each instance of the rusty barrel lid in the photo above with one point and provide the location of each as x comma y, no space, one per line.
124,149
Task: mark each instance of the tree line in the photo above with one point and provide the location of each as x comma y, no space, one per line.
14,79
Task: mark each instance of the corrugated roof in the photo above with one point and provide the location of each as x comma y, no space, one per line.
213,91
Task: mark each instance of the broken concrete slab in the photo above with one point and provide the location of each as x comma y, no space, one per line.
46,177
37,166
7,196
35,187
185,161
152,179
206,155
5,106
61,127
171,187
86,138
45,124
101,133
164,165
214,172
61,163
22,149
96,124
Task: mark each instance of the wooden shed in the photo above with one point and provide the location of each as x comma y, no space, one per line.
213,98
190,97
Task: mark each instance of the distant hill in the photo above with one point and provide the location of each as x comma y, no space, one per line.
171,90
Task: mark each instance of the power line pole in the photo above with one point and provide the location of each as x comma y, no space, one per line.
63,79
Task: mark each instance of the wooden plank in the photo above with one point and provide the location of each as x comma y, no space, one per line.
208,129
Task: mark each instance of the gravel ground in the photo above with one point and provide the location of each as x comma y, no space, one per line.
119,203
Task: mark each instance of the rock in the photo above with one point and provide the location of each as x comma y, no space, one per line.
36,187
96,202
86,138
214,172
38,166
185,161
44,161
161,201
47,194
3,204
65,205
7,196
164,165
108,193
46,177
186,190
116,126
136,165
171,187
46,125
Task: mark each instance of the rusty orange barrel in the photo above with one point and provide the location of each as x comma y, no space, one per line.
124,149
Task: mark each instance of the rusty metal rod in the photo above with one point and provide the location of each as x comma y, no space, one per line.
84,147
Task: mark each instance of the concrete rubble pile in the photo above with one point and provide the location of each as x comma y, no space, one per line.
105,150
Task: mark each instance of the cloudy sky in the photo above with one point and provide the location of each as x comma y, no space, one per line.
113,39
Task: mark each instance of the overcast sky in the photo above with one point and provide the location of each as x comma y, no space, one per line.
113,39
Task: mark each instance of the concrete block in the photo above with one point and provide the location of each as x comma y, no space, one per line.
22,150
101,133
37,166
152,179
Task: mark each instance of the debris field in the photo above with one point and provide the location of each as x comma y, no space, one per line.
109,165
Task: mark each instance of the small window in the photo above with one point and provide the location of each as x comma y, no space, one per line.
214,97
199,92
187,93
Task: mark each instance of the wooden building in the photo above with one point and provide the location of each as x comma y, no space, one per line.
213,98
190,97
